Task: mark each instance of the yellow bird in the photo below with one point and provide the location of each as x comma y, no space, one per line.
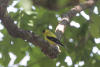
51,38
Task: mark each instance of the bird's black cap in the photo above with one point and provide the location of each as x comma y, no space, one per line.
43,31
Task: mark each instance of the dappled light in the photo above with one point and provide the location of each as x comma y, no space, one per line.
76,27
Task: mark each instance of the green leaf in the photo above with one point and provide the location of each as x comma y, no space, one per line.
98,6
28,7
19,48
5,59
94,27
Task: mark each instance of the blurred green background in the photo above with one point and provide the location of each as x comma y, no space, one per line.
81,37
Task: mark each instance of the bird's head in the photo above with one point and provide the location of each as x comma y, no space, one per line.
46,31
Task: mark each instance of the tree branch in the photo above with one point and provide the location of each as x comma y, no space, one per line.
46,48
54,4
69,15
14,31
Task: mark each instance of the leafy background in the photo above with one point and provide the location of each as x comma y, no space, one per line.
82,37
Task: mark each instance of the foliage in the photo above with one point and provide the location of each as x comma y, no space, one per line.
79,41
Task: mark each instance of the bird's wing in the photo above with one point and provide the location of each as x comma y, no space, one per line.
55,40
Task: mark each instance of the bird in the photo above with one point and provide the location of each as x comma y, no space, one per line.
51,38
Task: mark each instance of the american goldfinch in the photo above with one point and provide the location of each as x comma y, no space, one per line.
51,38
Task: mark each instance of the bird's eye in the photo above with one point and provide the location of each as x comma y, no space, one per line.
43,31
